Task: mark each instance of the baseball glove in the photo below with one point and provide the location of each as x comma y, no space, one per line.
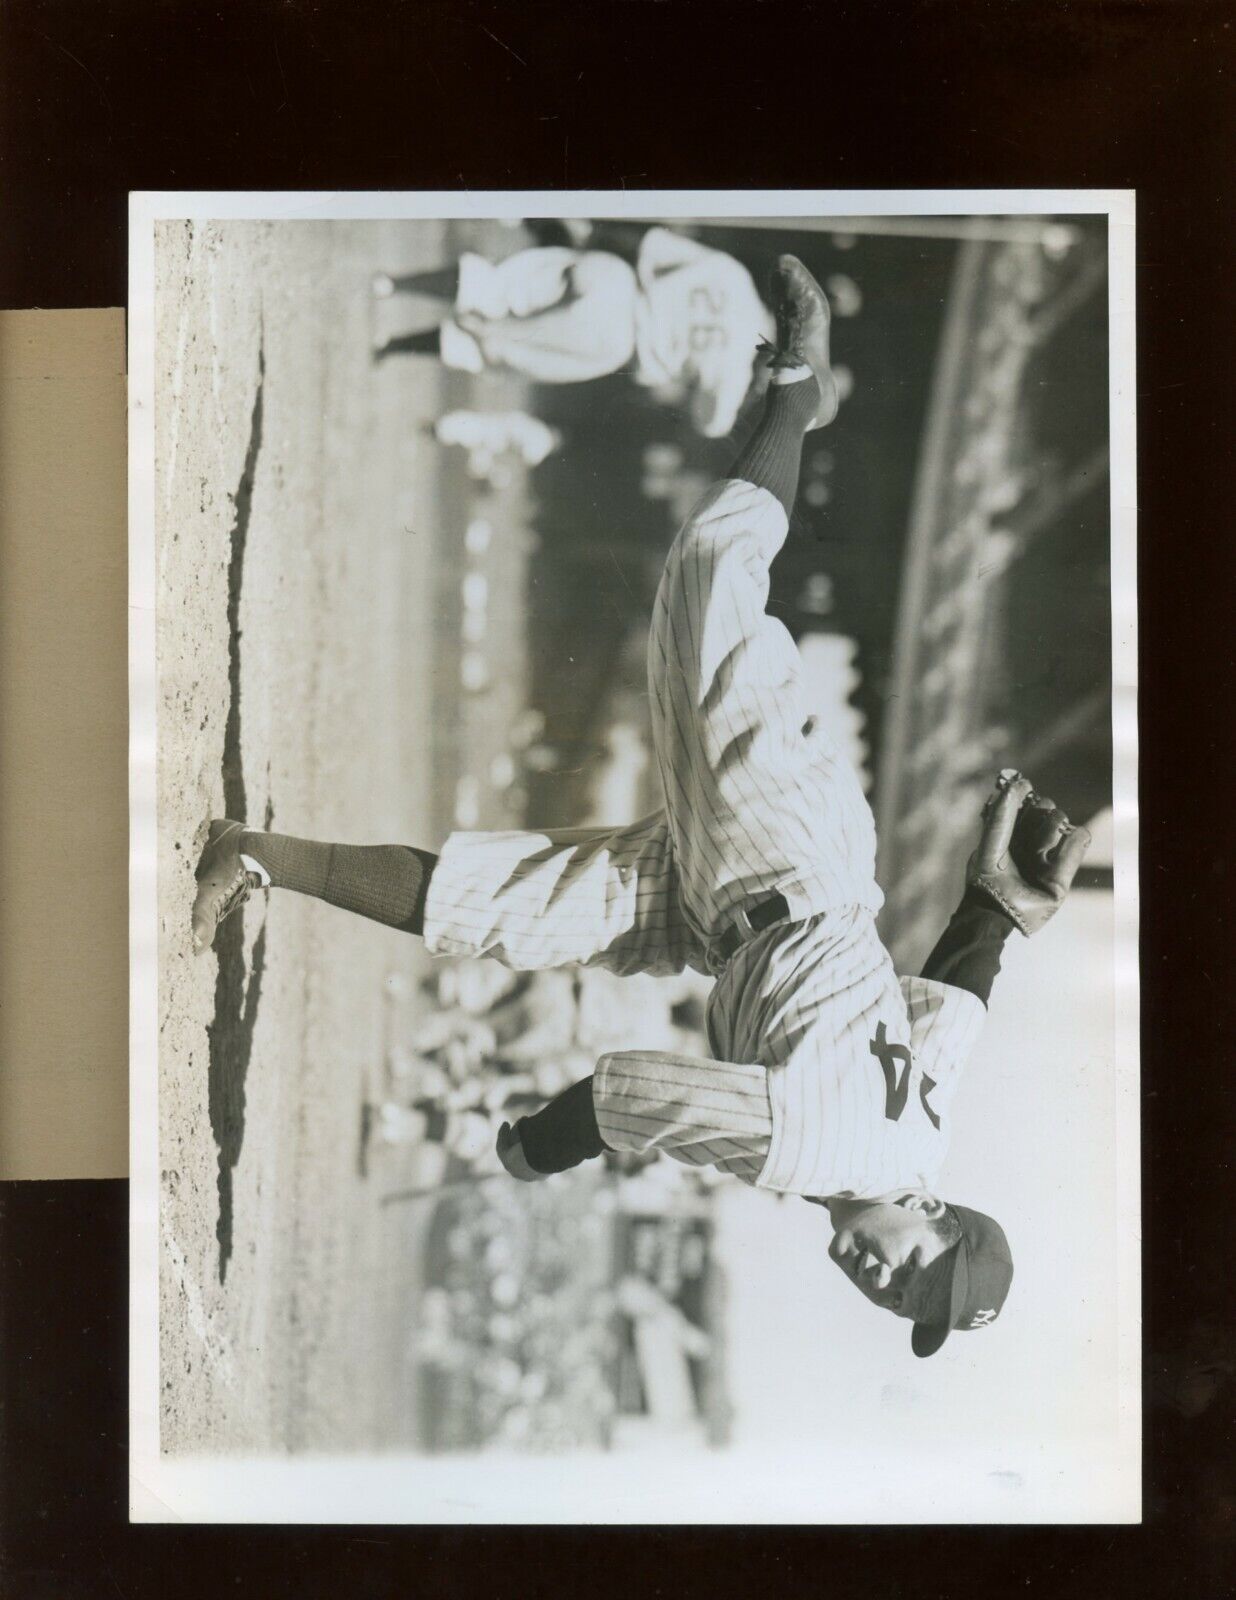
1028,853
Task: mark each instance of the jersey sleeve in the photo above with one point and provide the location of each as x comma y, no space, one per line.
944,1027
655,1100
661,250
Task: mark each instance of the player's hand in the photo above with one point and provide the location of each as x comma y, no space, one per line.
1028,853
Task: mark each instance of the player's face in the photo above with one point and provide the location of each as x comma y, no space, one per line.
883,1248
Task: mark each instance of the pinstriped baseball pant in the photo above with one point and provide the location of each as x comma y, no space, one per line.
757,800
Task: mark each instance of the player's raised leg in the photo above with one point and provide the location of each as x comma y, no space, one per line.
759,801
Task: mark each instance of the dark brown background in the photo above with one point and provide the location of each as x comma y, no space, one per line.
96,100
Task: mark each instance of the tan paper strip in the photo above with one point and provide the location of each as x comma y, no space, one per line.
63,736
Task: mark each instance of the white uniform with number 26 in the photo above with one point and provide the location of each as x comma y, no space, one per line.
698,315
686,314
828,1074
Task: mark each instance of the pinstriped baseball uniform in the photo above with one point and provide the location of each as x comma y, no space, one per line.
829,1075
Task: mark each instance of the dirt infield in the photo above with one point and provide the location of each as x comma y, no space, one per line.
303,562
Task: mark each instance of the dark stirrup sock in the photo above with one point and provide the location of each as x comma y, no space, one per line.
773,454
386,882
441,282
426,343
563,1133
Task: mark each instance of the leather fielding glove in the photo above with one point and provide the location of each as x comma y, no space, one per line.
1028,853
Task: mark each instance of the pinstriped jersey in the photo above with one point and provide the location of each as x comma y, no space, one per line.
828,1075
831,1076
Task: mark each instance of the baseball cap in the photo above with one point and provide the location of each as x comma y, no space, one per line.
982,1272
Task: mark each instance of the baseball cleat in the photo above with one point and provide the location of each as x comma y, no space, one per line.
223,881
802,315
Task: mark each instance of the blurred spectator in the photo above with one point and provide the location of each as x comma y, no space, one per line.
845,298
490,436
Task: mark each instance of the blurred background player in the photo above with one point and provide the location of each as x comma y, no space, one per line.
686,319
496,440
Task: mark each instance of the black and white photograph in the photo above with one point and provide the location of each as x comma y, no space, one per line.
633,858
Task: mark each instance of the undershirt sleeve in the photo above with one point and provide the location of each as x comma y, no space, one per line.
967,954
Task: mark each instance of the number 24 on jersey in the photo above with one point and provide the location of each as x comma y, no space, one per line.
897,1086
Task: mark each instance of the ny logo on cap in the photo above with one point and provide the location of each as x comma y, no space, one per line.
982,1319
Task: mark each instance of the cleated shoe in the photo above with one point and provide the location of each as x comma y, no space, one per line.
223,881
802,314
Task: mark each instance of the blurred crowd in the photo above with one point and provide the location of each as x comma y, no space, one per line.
499,1044
533,1330
516,1341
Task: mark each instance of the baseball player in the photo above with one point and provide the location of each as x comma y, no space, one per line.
827,1076
685,315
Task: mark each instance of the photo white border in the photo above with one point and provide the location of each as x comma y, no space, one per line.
590,1488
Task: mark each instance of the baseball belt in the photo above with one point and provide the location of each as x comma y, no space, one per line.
748,923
